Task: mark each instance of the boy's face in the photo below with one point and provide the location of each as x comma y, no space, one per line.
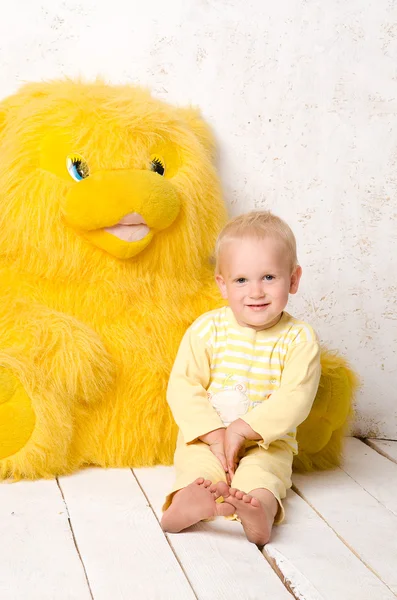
256,279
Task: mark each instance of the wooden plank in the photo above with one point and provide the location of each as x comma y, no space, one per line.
386,447
314,561
216,556
366,526
124,550
38,557
372,471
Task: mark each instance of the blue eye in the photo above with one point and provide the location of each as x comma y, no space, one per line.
269,277
77,167
241,280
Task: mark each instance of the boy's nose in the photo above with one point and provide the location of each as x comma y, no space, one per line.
256,290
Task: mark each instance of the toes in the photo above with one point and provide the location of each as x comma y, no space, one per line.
207,483
215,491
222,489
242,496
199,480
247,499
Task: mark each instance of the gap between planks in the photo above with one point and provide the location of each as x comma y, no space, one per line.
284,580
74,539
387,448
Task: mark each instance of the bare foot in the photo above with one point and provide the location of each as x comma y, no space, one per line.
256,517
194,503
219,489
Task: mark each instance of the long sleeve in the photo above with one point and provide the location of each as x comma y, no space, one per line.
187,389
289,406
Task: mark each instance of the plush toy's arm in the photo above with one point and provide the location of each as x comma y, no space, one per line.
58,351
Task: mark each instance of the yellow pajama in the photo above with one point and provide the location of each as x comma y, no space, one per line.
224,372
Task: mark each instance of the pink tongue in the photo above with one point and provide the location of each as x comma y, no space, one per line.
129,233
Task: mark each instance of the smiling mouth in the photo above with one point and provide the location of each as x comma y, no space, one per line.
258,307
131,228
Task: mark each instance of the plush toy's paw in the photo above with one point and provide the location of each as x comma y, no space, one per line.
70,358
17,418
36,428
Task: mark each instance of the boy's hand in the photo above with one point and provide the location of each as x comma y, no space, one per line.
215,440
236,434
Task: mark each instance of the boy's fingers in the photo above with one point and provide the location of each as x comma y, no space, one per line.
230,465
232,461
222,458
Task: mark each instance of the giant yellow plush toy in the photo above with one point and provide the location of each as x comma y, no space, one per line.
109,209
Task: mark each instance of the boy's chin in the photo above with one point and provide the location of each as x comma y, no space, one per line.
262,320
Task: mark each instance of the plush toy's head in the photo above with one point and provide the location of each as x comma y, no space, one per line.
98,179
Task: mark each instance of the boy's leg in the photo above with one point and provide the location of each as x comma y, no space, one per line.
193,498
266,476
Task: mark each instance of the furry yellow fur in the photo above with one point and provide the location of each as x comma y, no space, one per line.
90,323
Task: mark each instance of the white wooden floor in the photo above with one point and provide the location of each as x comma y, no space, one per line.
95,535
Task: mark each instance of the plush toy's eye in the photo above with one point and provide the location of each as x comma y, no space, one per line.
77,167
157,164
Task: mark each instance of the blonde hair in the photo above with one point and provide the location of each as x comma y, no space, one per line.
259,224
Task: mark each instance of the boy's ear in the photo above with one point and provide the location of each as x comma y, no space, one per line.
221,285
295,279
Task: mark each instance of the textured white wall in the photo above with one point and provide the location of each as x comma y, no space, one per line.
302,96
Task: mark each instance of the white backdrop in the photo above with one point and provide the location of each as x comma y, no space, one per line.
302,97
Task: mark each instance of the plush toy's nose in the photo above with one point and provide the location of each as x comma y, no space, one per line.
104,198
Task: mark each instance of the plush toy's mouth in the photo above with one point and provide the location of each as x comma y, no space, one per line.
130,228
